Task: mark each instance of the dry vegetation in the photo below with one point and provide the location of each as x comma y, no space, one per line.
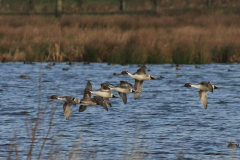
169,37
70,6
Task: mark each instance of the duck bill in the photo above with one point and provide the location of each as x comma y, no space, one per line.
153,78
187,85
216,87
114,96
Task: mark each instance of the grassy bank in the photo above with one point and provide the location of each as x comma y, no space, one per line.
170,37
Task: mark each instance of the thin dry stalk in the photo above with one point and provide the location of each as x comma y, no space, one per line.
49,129
75,147
16,147
13,147
34,130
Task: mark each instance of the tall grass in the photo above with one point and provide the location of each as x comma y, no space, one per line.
190,37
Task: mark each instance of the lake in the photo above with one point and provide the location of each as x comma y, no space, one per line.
168,121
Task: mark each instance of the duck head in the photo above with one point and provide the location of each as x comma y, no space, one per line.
188,85
124,72
53,97
229,143
106,87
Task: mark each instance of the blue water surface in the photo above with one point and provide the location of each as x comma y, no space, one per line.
168,121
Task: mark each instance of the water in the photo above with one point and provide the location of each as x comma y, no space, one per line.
168,121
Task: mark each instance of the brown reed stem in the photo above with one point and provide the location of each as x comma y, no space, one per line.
49,129
34,130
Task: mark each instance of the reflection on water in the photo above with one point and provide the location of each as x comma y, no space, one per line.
167,121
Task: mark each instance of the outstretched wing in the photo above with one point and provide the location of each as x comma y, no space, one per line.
108,102
67,110
203,98
125,84
82,108
141,70
70,100
100,101
89,85
138,88
87,94
123,96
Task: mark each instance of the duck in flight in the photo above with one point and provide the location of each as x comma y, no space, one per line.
104,91
123,88
140,76
96,100
204,87
67,106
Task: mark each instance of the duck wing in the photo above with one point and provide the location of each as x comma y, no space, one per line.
89,85
70,100
141,70
203,98
125,84
87,93
82,108
123,96
108,102
67,110
138,88
101,101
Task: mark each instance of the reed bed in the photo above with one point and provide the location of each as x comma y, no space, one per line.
189,38
70,6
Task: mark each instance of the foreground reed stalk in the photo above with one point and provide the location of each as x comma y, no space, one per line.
37,120
32,129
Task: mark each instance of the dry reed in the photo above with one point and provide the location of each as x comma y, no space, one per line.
70,6
177,38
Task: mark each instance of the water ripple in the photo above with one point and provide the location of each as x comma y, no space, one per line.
168,121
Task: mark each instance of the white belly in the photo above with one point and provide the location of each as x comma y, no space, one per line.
140,77
201,87
123,90
102,94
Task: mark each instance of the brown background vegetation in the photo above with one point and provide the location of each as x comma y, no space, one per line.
173,35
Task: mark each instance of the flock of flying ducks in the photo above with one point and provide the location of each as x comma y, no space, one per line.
105,92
